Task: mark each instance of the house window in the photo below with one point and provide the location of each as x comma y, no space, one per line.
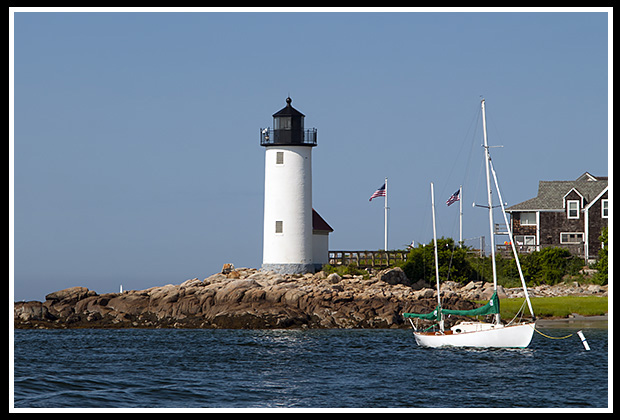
528,219
525,239
572,209
525,243
571,237
605,208
278,226
279,158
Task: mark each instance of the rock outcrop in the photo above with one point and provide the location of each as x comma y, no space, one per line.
242,298
248,298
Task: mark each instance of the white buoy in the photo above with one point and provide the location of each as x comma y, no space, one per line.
121,289
583,340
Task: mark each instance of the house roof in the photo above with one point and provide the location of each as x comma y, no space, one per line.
551,193
318,223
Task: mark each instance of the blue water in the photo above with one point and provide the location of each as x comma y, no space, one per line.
311,369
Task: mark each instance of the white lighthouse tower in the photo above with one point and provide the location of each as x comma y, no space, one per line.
287,231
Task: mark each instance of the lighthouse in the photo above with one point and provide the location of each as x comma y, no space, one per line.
288,214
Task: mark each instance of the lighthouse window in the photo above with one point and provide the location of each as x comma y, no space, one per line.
278,226
282,123
279,158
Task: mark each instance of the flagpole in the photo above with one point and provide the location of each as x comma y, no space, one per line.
386,216
461,216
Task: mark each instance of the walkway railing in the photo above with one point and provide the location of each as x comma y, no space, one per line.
367,259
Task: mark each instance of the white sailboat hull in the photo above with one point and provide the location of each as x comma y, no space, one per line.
513,336
478,334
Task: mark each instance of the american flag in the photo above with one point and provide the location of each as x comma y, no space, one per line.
379,193
453,198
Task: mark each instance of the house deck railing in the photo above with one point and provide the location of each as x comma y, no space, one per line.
505,250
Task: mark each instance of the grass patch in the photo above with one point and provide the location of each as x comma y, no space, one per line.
559,306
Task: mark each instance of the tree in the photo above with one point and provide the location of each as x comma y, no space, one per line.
601,265
549,265
453,264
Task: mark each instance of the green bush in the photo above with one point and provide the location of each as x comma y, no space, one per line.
453,263
549,265
507,271
601,264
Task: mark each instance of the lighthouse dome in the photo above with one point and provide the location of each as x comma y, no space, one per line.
288,129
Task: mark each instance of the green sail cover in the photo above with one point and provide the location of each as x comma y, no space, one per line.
492,307
432,315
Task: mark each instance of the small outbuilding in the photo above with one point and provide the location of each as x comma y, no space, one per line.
320,240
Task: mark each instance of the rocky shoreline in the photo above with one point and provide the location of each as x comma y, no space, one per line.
249,298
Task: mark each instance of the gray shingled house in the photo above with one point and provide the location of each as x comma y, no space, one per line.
568,214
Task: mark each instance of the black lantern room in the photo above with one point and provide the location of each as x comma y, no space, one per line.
288,129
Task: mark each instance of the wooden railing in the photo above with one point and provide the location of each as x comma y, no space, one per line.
505,250
367,259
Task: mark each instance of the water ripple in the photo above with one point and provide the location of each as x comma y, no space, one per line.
316,368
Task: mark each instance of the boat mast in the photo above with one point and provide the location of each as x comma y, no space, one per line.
512,242
436,256
487,161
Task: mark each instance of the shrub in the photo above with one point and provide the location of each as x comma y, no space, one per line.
549,265
453,262
601,265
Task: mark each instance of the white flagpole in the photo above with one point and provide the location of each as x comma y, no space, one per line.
461,216
386,216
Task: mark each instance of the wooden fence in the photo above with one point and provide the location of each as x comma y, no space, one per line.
367,259
505,250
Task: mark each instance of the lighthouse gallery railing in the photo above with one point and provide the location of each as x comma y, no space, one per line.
269,137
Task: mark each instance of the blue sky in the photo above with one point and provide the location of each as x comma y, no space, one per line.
136,155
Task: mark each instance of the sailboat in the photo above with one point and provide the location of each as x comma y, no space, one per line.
477,334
